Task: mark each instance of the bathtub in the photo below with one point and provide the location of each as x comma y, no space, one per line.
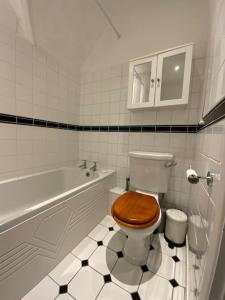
42,218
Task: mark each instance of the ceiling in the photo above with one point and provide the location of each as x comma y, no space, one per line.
68,29
78,34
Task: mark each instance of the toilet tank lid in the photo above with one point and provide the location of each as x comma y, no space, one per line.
152,155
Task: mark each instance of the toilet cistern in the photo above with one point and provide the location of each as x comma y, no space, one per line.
137,212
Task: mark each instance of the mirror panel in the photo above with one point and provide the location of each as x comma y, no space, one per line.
141,82
172,77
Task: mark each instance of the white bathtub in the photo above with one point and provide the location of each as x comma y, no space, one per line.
42,218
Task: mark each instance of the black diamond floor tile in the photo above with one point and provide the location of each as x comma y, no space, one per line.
174,283
144,268
63,289
135,296
107,278
171,245
120,254
175,258
84,263
151,248
111,228
100,243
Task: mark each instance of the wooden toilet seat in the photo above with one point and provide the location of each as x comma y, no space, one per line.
135,210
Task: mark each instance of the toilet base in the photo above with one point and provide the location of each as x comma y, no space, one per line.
136,250
138,242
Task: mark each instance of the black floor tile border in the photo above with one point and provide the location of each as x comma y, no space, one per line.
214,116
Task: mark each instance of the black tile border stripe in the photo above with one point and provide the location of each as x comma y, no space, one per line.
214,116
25,121
40,123
13,119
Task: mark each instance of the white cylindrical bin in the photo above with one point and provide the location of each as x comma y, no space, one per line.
197,227
176,226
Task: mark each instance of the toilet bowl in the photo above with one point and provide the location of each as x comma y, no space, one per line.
138,215
137,212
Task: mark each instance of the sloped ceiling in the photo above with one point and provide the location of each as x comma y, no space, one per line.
78,34
68,29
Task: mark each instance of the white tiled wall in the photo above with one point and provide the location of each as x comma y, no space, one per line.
26,149
214,88
103,101
34,84
110,150
209,202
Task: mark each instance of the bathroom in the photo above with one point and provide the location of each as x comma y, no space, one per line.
112,135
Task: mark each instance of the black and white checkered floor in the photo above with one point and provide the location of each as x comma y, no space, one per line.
96,269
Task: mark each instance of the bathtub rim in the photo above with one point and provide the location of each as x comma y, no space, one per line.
17,178
25,214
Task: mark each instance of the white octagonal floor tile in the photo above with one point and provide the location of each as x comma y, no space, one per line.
99,233
161,264
86,247
126,275
178,293
180,273
181,253
115,241
103,260
86,284
66,269
112,291
153,287
46,289
108,221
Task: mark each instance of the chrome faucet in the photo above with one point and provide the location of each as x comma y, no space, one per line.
84,164
94,167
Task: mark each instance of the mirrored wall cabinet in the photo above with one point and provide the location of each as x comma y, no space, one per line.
160,79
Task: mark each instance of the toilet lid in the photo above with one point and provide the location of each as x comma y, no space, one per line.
136,208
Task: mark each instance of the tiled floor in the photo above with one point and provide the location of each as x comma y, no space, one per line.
96,269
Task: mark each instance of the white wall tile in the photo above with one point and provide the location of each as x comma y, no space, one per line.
208,201
33,84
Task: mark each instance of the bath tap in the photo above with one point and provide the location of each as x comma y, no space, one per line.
94,167
84,164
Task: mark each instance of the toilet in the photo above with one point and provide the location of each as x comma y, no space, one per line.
137,212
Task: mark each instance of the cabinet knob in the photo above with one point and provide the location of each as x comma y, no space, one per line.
152,81
158,82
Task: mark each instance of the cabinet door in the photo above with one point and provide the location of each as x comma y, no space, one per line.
173,77
141,89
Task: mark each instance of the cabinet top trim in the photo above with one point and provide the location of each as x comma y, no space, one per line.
162,51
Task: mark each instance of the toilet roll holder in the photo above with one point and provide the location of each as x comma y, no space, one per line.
195,179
